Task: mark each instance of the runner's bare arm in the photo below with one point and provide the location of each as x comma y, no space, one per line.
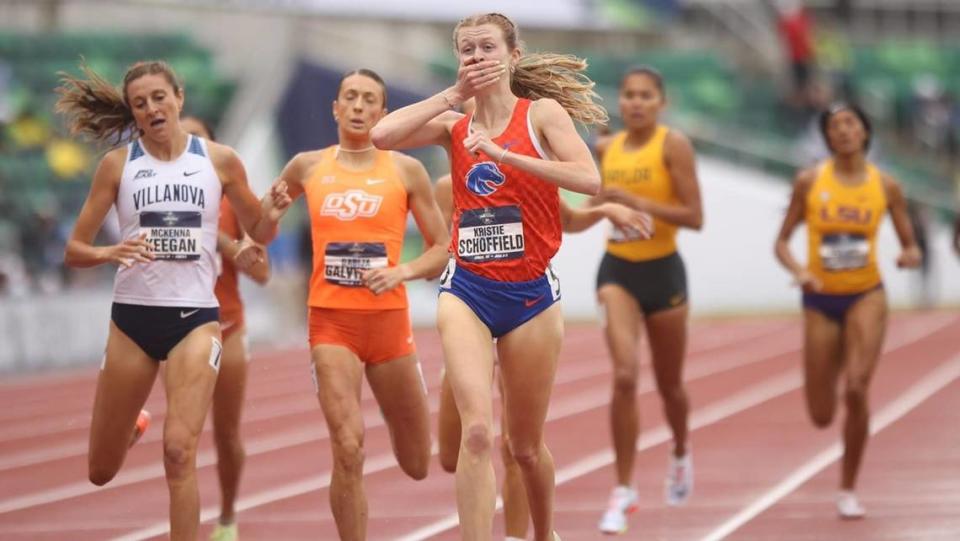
572,166
681,165
80,251
910,256
795,215
258,218
431,224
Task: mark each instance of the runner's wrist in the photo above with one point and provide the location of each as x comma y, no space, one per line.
451,98
503,154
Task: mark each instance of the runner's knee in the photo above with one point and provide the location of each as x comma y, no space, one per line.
179,452
526,456
478,439
625,382
348,455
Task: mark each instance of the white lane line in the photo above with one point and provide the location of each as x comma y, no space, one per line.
917,394
718,411
564,409
726,408
291,407
709,338
583,370
584,402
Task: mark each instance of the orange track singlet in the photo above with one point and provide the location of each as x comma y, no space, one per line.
227,288
357,221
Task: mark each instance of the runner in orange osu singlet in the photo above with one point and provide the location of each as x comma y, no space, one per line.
238,253
358,198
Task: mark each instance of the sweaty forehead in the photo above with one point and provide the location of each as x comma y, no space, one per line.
476,33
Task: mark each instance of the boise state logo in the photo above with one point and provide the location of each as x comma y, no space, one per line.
484,178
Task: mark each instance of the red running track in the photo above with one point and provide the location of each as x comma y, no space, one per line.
762,470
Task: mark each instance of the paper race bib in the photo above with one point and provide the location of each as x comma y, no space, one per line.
844,252
173,235
628,234
345,262
490,234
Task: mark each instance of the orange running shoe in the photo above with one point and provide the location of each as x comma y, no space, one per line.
143,422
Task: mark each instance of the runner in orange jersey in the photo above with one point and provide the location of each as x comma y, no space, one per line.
358,198
516,513
508,159
238,252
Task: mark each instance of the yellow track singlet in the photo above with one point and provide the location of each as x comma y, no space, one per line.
842,223
643,173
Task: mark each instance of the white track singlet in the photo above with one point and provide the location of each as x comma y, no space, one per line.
176,204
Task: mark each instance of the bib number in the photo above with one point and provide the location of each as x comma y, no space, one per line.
173,235
844,252
490,234
345,262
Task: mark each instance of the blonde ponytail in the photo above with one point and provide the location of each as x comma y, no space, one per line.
559,77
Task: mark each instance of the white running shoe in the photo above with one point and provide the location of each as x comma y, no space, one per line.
848,506
623,501
679,483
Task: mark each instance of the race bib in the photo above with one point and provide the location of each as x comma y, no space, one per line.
627,234
490,234
173,235
345,262
844,252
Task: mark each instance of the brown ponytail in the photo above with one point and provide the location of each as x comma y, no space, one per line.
96,109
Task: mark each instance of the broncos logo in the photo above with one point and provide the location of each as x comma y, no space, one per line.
484,178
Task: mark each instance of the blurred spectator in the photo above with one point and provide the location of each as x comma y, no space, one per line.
66,158
931,113
843,10
835,60
956,234
6,93
795,28
42,241
13,277
28,130
919,221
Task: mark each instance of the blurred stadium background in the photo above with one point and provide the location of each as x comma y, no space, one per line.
264,72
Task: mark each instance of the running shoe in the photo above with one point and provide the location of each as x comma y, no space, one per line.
225,532
623,501
679,484
848,506
143,422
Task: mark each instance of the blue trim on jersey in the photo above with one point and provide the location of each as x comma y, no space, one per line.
501,306
136,151
196,147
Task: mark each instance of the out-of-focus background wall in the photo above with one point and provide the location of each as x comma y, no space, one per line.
745,79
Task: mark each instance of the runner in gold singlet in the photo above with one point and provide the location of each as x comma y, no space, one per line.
845,308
